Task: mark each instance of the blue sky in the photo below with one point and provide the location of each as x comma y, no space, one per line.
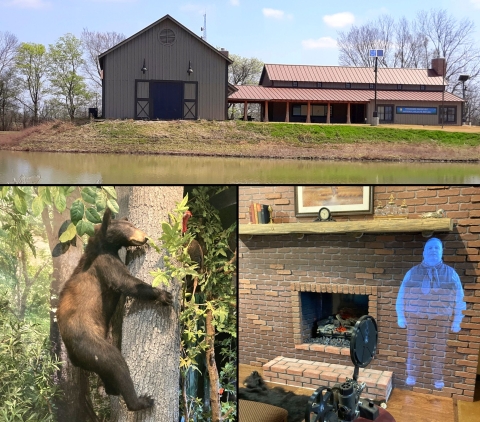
289,32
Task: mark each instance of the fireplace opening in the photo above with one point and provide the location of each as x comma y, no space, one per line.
329,318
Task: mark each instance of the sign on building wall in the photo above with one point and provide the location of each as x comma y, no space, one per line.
416,110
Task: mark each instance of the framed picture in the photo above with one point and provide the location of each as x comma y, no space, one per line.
340,200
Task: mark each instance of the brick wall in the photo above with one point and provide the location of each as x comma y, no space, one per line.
270,267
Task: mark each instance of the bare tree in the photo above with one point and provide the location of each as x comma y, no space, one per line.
8,50
453,40
408,44
355,44
9,92
413,44
96,43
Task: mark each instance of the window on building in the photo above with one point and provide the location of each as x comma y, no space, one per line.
385,113
449,114
348,85
371,86
422,87
294,83
166,36
319,84
399,86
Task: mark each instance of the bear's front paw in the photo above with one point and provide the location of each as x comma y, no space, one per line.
143,402
165,298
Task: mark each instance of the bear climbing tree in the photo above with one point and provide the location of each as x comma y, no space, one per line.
88,301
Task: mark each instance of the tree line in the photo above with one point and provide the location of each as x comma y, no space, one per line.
413,44
61,81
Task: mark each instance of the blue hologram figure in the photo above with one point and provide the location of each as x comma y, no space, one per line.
429,303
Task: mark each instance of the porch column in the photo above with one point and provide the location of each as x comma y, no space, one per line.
265,118
348,114
287,112
308,112
245,111
328,112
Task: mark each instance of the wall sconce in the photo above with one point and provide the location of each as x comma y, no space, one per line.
190,70
144,68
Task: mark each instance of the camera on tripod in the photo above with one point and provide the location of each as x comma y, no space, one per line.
342,402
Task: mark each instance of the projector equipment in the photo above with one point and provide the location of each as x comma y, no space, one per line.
342,402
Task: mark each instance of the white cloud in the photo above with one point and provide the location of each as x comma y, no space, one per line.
29,4
323,42
339,20
275,14
476,3
235,2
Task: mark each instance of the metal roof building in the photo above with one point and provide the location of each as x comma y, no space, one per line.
165,72
341,94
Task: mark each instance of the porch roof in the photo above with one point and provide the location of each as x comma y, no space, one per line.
256,93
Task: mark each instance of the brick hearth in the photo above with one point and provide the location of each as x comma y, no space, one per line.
309,374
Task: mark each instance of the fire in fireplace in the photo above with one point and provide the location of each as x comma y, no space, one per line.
332,316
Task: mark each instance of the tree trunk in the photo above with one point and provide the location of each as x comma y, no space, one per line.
212,368
73,403
150,333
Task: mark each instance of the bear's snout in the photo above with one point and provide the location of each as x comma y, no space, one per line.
138,238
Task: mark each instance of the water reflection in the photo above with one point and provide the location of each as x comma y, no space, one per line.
140,169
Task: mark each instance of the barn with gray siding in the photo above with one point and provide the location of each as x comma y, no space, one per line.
165,72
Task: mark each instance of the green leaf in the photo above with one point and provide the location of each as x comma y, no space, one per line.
89,194
44,193
112,204
37,206
20,204
68,234
101,201
85,227
93,216
69,190
60,201
111,191
77,211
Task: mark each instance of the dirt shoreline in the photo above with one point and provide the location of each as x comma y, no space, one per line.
70,139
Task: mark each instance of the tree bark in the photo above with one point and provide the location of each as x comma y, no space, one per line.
150,341
73,404
212,368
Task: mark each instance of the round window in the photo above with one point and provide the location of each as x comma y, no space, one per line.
166,36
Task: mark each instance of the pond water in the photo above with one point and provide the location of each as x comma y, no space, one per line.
69,168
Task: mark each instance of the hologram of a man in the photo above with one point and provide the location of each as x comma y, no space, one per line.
429,304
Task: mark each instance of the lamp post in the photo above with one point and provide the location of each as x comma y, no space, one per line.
376,54
463,79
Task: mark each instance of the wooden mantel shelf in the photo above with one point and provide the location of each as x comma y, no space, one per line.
426,226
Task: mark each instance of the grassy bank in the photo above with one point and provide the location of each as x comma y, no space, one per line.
237,138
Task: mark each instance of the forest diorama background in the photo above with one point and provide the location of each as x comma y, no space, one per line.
29,387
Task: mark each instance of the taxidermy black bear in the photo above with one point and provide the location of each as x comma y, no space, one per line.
88,300
256,390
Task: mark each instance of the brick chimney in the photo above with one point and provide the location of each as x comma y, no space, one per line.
224,52
439,65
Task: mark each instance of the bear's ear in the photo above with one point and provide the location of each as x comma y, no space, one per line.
107,217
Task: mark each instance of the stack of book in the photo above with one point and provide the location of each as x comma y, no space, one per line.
259,214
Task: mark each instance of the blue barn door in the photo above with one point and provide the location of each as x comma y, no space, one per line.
166,100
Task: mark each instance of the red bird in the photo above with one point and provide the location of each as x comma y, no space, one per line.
194,250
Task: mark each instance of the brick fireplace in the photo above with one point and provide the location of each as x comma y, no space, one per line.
307,306
280,272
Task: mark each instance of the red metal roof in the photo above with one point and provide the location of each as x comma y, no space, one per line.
261,93
346,74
